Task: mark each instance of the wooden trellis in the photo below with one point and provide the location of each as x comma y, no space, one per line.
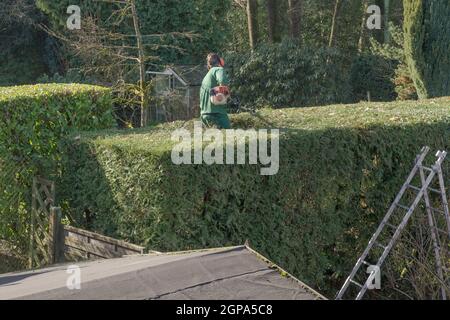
43,198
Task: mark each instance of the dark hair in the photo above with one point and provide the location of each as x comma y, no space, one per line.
212,60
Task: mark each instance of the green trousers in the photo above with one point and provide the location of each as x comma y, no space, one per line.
218,120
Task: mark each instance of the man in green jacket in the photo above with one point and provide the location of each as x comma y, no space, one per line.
211,114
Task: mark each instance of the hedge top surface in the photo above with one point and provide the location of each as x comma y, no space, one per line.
357,116
40,90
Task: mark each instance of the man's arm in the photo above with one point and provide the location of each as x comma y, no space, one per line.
222,77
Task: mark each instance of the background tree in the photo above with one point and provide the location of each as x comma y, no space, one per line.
141,62
387,10
115,53
295,14
206,18
252,18
362,32
337,5
272,20
427,46
25,51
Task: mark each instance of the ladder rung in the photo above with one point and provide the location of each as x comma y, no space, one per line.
366,263
440,230
356,283
430,189
390,225
435,190
403,207
427,168
437,210
380,245
414,188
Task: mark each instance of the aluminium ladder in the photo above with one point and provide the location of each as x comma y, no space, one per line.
422,192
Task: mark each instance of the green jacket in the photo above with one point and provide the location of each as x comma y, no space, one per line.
215,77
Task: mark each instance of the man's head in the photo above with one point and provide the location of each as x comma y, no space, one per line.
214,60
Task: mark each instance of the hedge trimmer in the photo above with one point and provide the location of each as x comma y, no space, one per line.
234,106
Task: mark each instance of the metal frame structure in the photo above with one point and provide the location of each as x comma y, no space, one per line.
422,192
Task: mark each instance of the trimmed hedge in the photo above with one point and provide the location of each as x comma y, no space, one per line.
34,118
340,168
33,121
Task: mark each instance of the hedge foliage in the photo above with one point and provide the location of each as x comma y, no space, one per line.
427,46
374,74
289,74
35,118
383,71
33,121
26,52
340,167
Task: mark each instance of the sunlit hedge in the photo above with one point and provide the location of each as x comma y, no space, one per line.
33,121
288,74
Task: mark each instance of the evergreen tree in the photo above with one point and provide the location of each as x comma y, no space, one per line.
427,46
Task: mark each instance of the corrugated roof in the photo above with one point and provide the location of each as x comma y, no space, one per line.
217,274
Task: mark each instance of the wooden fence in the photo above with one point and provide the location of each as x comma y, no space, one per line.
52,242
72,244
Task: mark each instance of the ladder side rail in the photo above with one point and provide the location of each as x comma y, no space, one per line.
444,196
434,237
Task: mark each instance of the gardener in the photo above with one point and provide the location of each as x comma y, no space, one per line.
214,93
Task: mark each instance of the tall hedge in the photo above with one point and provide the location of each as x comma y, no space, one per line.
427,45
33,121
340,167
289,74
34,118
372,73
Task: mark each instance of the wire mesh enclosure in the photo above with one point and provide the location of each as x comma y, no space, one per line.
177,91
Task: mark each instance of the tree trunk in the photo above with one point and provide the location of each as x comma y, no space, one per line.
379,34
252,10
333,23
362,31
295,13
272,20
141,60
387,8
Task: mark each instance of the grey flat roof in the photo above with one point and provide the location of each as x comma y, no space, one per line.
215,274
